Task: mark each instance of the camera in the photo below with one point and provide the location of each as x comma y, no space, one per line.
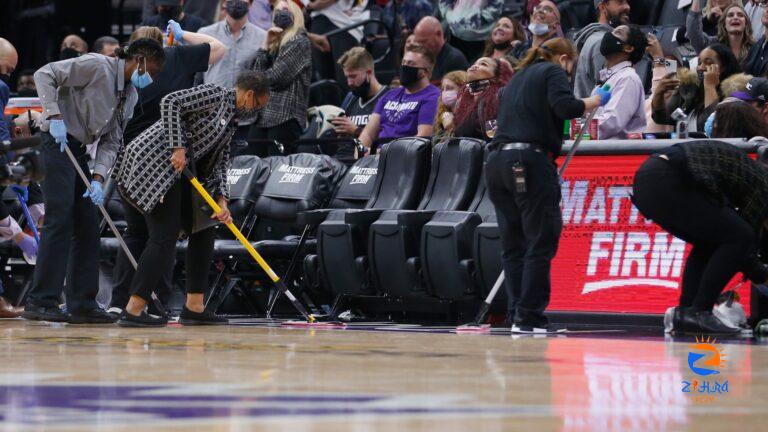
20,162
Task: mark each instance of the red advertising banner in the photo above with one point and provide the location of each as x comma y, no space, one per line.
610,258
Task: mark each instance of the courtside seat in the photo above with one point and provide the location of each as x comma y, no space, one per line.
394,239
403,169
297,183
487,256
446,248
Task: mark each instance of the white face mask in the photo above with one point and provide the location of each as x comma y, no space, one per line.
538,29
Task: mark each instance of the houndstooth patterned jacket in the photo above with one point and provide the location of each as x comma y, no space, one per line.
198,119
289,72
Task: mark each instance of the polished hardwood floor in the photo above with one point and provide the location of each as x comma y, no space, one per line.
252,377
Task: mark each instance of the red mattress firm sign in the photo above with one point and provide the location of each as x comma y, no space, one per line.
610,258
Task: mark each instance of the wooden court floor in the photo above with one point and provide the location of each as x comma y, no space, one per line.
242,378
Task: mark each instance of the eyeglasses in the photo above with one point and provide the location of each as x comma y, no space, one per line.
548,9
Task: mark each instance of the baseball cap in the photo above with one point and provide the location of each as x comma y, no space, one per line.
757,91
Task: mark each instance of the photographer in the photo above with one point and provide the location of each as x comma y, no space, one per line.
86,104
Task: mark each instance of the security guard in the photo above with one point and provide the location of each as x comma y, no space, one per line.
522,177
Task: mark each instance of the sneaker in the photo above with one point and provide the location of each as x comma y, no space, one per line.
93,316
698,322
189,318
524,329
43,313
143,320
115,312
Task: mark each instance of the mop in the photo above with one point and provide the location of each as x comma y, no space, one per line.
311,321
477,325
112,226
30,224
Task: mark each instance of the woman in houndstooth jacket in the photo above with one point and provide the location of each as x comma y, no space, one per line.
198,124
286,60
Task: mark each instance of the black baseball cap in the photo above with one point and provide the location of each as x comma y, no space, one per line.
756,91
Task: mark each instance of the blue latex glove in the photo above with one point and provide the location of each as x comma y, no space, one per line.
21,190
27,244
59,132
605,94
178,33
96,193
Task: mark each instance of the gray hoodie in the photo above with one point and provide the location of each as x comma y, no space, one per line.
590,60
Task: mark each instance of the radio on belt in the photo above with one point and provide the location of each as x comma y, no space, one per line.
518,173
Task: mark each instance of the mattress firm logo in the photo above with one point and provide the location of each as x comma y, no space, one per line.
362,175
235,174
293,174
625,250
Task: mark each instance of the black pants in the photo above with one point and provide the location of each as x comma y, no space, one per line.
530,224
71,230
285,133
327,63
722,241
164,223
136,238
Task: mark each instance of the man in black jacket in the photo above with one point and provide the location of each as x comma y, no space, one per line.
756,62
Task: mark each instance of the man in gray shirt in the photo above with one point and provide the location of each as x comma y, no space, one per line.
242,39
87,102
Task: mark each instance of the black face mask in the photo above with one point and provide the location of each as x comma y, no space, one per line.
68,53
362,90
478,86
5,78
170,14
237,8
283,19
27,92
502,45
610,44
408,75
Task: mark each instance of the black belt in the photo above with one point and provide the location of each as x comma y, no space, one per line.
522,146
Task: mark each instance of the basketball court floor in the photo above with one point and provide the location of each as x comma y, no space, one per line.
374,377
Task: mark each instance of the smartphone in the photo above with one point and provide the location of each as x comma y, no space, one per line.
671,67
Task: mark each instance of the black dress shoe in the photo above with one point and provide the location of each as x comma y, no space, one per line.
143,320
43,313
188,318
704,322
93,316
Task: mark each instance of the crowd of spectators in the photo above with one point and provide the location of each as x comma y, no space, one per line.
451,60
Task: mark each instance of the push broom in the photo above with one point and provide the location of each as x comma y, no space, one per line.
478,326
310,319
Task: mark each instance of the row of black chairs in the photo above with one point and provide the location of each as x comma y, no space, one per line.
413,221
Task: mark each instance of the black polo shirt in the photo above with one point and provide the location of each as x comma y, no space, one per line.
450,59
534,105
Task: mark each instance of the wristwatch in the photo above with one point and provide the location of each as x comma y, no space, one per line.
661,61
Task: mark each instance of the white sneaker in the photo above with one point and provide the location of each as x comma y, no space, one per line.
535,330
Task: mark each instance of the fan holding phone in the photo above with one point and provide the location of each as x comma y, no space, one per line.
664,69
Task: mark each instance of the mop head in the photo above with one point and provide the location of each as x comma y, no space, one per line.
313,323
474,328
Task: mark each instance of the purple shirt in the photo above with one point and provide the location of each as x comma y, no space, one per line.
402,113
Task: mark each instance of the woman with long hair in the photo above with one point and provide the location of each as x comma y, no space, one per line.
734,30
696,93
737,119
450,87
506,34
478,101
286,61
521,174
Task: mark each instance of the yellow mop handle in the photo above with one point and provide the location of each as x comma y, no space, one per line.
246,244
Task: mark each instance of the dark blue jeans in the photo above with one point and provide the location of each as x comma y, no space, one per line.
530,224
69,243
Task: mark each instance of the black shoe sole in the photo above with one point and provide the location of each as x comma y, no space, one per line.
135,324
89,320
37,316
195,322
